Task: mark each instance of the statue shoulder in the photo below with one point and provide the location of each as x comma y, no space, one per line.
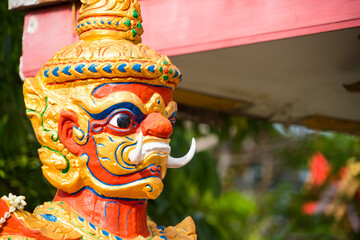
12,221
20,224
185,230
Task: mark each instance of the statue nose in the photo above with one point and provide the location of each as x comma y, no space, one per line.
156,125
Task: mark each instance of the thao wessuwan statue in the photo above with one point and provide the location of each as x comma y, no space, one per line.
103,112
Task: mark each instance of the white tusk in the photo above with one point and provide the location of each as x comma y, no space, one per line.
135,155
179,162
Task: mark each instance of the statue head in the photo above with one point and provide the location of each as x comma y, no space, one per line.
102,108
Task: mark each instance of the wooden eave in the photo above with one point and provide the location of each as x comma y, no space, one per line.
295,62
27,4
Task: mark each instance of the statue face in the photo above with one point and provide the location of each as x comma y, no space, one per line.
121,134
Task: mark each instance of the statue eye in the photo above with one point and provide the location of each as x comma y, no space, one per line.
121,120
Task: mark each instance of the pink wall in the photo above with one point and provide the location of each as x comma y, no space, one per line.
175,27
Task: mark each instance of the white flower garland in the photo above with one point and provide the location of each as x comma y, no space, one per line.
16,202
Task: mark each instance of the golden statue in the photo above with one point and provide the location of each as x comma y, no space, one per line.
102,109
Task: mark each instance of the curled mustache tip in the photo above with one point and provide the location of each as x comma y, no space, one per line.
179,162
135,155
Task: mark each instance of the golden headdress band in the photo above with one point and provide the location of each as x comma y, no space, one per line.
110,47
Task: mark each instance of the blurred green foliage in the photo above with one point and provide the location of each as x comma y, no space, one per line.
221,208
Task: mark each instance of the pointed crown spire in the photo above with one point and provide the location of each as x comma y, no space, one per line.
110,48
116,19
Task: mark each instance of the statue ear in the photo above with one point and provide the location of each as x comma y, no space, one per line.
67,121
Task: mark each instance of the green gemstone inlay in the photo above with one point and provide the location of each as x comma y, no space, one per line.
161,69
139,25
165,62
135,14
171,71
134,32
166,77
127,23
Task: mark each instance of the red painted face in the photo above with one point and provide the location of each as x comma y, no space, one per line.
143,91
121,112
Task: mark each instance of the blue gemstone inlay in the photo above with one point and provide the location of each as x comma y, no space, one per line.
46,73
176,73
118,238
102,22
78,26
88,23
180,77
81,219
137,67
117,24
105,233
79,68
107,68
55,71
161,227
151,68
121,67
92,225
66,70
92,68
94,21
163,237
49,217
82,24
109,22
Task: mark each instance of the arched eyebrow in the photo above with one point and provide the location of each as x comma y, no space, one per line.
139,115
143,90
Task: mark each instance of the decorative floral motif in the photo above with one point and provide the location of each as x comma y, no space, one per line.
16,202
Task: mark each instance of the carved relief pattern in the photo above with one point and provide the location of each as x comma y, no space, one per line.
113,59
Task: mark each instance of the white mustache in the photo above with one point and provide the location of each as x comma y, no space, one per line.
142,150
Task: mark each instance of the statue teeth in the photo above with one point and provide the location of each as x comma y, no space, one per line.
151,147
179,162
141,151
135,155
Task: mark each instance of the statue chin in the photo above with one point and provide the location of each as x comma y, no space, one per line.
149,188
154,188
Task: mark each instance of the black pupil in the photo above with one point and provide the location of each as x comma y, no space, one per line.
123,120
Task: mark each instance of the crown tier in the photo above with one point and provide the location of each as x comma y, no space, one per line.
116,19
110,47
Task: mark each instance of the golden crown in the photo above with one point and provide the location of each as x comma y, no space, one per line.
110,47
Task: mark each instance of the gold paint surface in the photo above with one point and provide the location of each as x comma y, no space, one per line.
70,225
334,124
109,52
